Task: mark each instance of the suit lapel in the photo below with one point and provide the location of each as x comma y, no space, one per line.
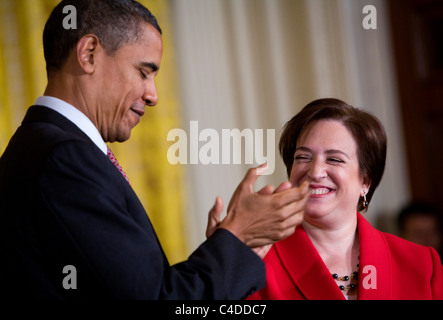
135,208
305,267
375,267
312,278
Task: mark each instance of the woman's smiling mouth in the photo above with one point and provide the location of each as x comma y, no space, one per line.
317,191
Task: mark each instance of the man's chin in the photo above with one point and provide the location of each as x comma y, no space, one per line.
119,136
123,138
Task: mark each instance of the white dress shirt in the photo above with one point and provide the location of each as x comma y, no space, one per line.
75,116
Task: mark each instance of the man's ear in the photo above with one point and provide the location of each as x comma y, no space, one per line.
87,49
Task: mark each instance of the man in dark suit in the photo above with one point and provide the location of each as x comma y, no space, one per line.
71,225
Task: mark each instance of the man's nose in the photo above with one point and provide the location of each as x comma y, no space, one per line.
150,96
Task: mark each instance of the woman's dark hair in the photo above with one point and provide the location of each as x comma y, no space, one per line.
366,129
114,22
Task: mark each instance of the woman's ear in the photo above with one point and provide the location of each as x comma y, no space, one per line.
365,187
87,48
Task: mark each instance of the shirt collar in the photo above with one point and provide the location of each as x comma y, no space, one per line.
75,116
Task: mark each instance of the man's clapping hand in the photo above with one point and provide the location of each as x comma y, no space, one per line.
260,218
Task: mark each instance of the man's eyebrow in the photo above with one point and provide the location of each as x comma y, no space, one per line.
149,65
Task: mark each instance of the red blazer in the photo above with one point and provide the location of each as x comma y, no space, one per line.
390,268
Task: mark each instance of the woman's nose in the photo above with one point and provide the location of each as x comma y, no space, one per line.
316,170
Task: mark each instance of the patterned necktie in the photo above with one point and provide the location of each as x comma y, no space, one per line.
115,162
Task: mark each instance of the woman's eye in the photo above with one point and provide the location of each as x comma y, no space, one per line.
143,75
335,160
301,157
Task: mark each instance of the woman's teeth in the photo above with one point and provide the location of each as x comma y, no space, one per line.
319,190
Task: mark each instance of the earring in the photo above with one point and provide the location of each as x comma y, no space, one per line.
365,202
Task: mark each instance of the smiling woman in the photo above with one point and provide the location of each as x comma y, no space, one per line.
366,131
327,159
341,152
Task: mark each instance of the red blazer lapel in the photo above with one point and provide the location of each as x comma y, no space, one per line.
312,279
305,267
375,268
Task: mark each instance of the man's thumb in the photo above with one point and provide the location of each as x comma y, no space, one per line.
214,216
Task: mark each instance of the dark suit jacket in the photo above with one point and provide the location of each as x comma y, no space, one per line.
63,203
390,268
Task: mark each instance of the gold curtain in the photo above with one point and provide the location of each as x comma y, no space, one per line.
158,184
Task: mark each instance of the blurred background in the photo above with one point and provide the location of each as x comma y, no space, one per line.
253,64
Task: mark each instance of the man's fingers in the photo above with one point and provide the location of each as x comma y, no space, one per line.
266,190
292,214
252,176
263,217
283,198
279,230
283,187
260,170
280,224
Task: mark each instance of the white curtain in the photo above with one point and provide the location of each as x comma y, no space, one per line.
253,64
